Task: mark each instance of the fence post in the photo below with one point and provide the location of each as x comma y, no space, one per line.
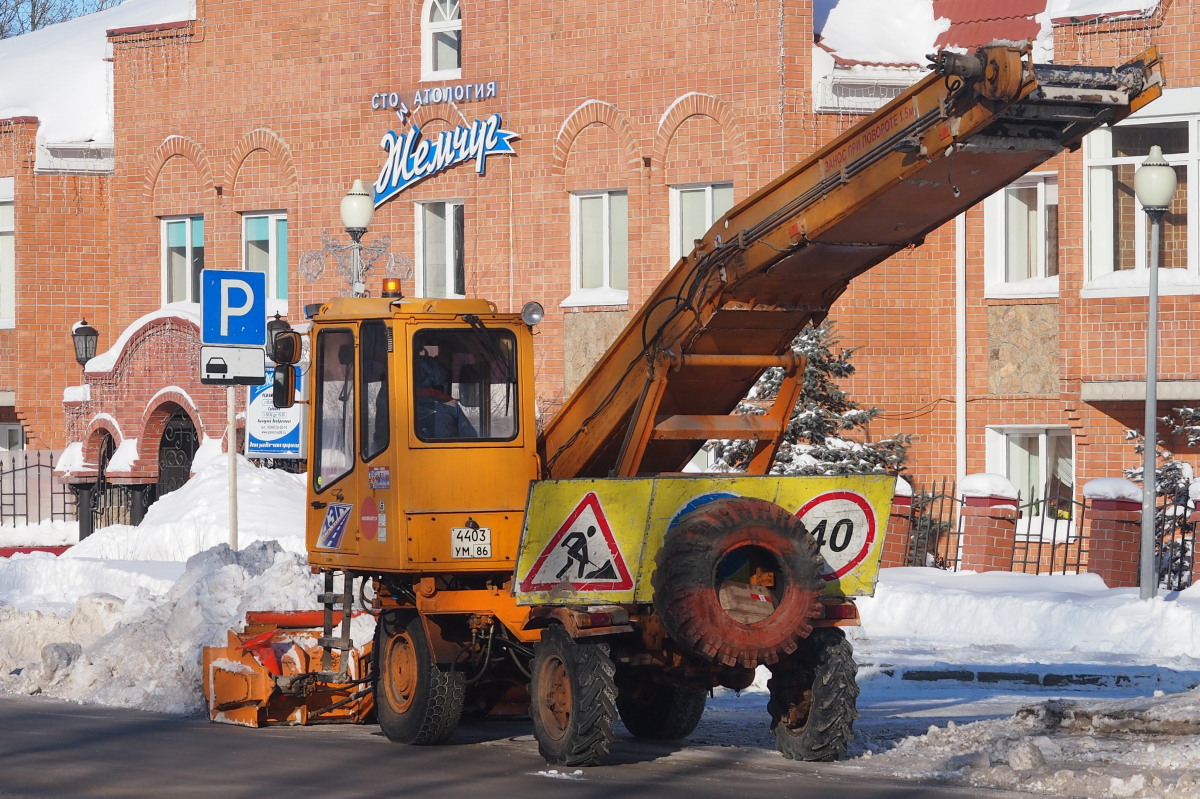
989,523
83,509
139,501
1114,541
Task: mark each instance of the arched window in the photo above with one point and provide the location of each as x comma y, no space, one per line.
441,26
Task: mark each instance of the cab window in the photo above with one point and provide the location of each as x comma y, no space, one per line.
334,390
376,431
464,385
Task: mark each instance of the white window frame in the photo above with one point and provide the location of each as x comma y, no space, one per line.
164,281
996,240
996,447
606,294
450,247
274,290
1101,280
680,248
431,28
8,266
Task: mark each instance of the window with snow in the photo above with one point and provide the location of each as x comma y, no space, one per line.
8,253
440,239
599,248
441,36
182,258
265,249
694,209
1118,235
1038,461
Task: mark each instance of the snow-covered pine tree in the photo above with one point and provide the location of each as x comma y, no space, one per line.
827,433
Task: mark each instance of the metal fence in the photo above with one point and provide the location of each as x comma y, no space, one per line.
29,492
935,526
1051,535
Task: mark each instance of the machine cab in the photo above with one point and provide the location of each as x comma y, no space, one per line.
422,435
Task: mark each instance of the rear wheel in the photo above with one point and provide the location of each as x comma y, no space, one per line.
658,710
814,698
573,697
416,701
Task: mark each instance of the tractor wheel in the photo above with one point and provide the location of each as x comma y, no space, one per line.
658,710
416,701
813,698
703,589
572,699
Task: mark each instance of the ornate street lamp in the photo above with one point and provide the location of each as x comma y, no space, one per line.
1154,184
355,261
85,337
357,209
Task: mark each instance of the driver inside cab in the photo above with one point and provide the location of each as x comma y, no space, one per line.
438,414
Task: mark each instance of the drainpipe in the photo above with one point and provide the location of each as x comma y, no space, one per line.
960,346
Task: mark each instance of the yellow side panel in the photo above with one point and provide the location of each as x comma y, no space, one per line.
592,541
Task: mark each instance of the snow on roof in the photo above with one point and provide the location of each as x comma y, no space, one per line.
1068,11
903,32
187,312
72,93
853,31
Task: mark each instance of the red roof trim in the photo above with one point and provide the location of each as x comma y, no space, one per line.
849,62
162,26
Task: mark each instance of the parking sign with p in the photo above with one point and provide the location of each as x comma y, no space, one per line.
233,307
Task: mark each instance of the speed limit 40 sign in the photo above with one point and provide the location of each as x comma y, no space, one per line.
844,524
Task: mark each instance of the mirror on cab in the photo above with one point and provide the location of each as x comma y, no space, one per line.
285,347
283,389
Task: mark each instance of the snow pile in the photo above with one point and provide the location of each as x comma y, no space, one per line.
121,618
143,650
998,617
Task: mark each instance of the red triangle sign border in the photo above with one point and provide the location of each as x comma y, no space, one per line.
624,581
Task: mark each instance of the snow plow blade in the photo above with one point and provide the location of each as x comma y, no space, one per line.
271,674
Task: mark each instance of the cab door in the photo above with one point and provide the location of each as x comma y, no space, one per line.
352,483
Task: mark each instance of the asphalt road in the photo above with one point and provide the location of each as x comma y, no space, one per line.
56,749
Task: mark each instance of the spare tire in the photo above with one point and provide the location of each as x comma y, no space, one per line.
703,593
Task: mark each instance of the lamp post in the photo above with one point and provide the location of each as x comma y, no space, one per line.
1154,184
84,337
357,209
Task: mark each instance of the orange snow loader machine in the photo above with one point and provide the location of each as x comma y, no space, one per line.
577,573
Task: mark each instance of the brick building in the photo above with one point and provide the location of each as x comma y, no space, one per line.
1003,344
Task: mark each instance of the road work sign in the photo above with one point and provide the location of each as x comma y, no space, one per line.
582,554
233,307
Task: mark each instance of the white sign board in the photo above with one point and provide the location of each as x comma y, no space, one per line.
232,366
274,432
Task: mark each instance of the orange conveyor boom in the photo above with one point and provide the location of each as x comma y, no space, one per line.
778,260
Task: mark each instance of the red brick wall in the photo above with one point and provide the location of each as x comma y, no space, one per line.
62,224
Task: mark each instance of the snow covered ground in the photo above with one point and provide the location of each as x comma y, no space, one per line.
1053,685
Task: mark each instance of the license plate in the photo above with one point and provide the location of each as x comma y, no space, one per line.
471,542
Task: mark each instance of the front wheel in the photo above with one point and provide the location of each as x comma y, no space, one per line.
814,698
573,697
416,701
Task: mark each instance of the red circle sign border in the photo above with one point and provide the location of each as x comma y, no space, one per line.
868,511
